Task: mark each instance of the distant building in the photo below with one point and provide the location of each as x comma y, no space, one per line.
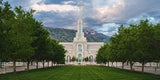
80,48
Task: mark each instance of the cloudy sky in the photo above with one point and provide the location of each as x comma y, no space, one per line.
104,16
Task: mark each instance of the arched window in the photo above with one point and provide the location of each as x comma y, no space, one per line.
79,48
91,58
79,57
68,58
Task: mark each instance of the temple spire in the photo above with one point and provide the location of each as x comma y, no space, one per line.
80,11
80,34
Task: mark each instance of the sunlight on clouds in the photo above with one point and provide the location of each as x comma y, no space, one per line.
67,2
113,9
144,16
97,14
108,28
39,5
102,3
54,7
34,2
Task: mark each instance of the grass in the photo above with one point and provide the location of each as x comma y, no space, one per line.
79,73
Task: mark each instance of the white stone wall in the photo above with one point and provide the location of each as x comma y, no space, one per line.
88,48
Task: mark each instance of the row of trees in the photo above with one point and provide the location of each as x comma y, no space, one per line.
136,43
22,38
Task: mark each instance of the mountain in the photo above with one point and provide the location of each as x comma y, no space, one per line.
67,35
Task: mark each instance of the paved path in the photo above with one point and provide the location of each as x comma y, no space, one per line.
7,70
146,69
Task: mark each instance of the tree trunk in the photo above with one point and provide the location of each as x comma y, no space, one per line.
37,65
14,66
142,67
27,65
122,65
127,63
116,64
157,64
112,64
31,62
108,63
1,65
48,63
55,64
131,65
43,63
52,63
150,64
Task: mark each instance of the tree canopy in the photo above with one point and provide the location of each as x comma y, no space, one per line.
136,43
23,38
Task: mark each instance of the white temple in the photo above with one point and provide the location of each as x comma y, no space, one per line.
80,48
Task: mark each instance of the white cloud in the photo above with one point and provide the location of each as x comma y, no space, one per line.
102,3
33,2
108,28
144,16
108,12
39,5
54,7
68,2
110,33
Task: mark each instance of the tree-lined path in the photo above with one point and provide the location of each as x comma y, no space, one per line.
136,68
79,73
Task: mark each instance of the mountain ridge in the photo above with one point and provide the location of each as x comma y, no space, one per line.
67,35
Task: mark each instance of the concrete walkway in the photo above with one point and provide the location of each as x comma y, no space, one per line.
10,69
146,69
7,70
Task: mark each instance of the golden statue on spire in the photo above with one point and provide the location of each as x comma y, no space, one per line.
80,6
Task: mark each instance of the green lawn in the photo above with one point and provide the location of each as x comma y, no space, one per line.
79,73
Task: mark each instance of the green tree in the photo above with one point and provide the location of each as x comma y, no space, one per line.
128,44
24,39
59,54
40,44
6,19
112,54
156,43
86,59
54,45
117,47
136,43
50,52
144,48
73,58
101,57
20,37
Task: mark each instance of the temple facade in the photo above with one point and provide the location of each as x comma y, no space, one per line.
80,48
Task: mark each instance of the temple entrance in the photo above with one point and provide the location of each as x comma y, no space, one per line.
90,58
79,59
68,58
